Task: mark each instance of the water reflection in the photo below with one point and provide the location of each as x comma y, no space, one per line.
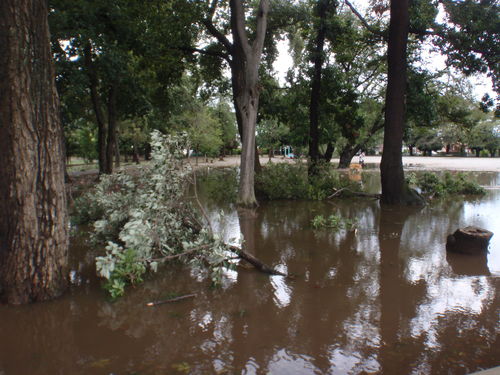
386,299
468,265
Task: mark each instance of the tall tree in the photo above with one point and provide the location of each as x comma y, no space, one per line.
394,187
33,228
244,57
123,58
318,59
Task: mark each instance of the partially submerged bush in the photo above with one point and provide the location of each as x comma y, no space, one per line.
449,184
334,222
291,181
145,220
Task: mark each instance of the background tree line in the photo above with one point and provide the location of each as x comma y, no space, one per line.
124,68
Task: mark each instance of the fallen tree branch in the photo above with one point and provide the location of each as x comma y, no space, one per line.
255,262
175,256
339,192
170,300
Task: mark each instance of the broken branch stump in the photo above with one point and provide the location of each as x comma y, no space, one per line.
469,240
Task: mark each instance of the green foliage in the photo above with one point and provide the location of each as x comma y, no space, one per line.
81,140
271,134
449,184
227,120
485,136
204,131
334,222
470,38
146,221
291,181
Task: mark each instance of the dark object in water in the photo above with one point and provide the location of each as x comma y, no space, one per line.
469,240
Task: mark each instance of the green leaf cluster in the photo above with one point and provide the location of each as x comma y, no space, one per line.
448,184
334,222
145,220
291,181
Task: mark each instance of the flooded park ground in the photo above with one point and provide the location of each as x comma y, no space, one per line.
385,299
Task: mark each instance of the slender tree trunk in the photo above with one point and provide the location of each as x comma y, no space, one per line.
117,149
94,96
33,227
135,154
330,148
318,61
394,188
111,136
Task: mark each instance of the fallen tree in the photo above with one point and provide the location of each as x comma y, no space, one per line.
146,221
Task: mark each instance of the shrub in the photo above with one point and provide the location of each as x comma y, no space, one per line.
335,222
448,184
291,181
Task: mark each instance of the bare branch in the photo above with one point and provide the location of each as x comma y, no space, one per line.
262,13
218,54
202,209
212,9
238,26
221,38
364,22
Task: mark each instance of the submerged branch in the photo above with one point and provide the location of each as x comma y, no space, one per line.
340,192
255,262
170,300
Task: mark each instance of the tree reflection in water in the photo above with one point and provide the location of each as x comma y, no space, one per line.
386,299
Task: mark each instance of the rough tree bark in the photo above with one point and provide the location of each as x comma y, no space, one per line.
394,188
33,227
244,59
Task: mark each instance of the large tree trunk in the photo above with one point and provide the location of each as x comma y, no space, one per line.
239,118
394,188
33,226
244,58
247,102
317,60
94,96
245,78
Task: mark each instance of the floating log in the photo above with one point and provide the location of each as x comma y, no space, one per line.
469,240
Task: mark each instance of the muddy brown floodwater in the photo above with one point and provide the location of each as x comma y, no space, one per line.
387,299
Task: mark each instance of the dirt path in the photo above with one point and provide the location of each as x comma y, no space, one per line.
410,162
